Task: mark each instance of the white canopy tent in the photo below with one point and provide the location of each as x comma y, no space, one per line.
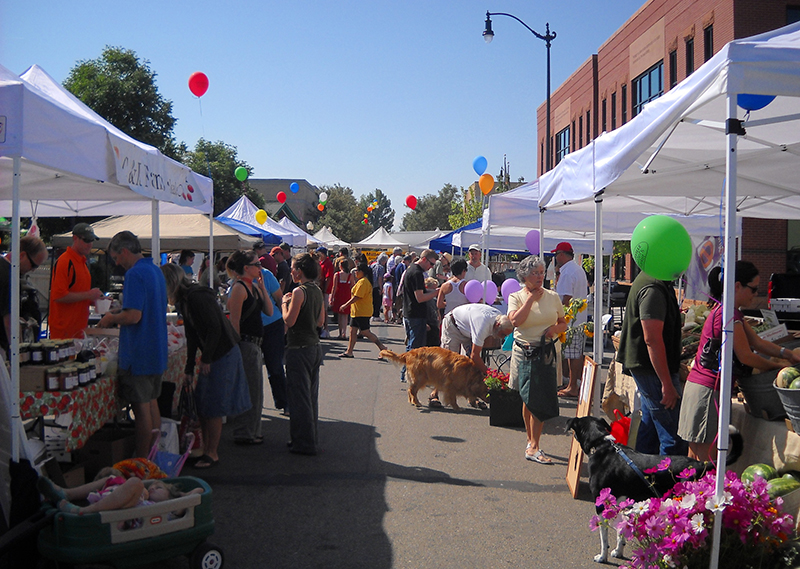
245,210
289,226
327,238
177,231
380,239
697,151
512,239
61,159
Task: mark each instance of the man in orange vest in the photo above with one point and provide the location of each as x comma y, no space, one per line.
71,290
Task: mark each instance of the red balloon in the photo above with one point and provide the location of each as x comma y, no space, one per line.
281,197
320,207
198,83
411,202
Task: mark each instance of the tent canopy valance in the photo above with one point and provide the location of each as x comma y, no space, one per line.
380,239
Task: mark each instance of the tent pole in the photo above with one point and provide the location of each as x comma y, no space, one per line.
211,263
15,286
597,344
155,241
729,265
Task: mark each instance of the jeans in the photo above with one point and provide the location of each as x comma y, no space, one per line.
273,348
302,374
416,333
658,431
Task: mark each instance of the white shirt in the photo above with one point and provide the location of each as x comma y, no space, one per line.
572,282
475,320
480,273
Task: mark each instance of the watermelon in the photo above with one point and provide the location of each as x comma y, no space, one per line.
786,376
795,384
764,471
793,474
781,486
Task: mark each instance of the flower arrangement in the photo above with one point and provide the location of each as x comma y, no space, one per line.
496,379
576,305
676,530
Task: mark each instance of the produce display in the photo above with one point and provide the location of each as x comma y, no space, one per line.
776,485
786,378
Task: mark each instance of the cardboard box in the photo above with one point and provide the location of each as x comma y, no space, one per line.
105,448
74,476
31,377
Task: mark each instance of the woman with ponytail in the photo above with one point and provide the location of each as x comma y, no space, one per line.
700,406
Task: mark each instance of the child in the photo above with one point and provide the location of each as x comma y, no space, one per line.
110,493
388,295
432,338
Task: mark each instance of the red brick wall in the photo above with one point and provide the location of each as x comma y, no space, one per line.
764,243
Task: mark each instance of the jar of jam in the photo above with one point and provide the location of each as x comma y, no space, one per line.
50,352
24,353
72,350
83,375
37,353
62,351
92,371
64,381
52,379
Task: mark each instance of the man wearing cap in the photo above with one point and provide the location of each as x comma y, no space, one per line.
441,270
266,260
32,254
282,267
477,271
571,284
71,290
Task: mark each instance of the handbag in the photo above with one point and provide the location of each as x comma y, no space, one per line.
620,428
187,411
540,391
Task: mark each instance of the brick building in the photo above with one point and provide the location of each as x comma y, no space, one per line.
660,45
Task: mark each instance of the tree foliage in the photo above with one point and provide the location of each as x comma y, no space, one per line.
342,214
381,216
465,211
218,161
432,211
122,89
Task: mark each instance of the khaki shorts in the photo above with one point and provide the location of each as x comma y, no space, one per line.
138,388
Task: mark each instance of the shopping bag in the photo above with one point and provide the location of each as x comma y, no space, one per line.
190,422
620,428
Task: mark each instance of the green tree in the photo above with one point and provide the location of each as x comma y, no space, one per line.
432,211
122,89
218,161
465,211
342,214
381,216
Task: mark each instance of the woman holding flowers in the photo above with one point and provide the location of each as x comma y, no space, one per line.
538,318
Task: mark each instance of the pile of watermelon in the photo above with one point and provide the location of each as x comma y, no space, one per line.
776,485
788,378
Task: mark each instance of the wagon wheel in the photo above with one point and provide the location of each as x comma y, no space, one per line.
207,556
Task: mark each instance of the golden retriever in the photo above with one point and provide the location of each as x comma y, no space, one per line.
448,372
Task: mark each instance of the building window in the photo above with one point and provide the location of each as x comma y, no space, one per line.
580,131
792,14
573,138
647,86
613,110
689,56
673,68
708,43
541,160
562,144
588,127
603,117
624,104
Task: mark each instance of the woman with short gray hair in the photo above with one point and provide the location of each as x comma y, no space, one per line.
538,317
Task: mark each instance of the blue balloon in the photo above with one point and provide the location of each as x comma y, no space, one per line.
479,165
753,102
294,186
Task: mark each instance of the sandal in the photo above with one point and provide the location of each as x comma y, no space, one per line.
69,508
345,355
538,456
205,461
434,403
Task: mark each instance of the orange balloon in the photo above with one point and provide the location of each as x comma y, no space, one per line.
486,183
320,207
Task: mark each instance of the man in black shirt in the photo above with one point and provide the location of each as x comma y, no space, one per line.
414,298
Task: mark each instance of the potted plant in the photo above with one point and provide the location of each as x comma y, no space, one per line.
505,404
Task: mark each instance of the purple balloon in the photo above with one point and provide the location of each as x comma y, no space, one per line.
473,290
490,290
532,241
509,287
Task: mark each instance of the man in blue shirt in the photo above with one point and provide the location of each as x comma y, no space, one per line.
143,334
274,341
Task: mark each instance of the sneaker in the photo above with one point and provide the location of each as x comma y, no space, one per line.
324,334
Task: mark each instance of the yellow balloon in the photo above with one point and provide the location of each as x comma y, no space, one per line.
261,216
486,183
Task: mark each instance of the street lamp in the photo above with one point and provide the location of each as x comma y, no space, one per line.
548,37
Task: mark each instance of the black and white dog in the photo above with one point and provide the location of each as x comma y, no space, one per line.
614,466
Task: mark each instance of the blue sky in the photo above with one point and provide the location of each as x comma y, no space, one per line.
400,95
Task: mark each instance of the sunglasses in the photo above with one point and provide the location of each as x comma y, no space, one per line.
34,265
256,264
754,289
87,240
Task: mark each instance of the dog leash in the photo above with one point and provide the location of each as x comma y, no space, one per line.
629,462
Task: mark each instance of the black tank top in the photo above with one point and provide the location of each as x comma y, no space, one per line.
250,319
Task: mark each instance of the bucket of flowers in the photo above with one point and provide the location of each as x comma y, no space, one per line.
676,530
576,305
505,404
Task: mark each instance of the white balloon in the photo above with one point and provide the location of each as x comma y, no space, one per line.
323,197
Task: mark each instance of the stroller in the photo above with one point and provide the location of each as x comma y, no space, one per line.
170,463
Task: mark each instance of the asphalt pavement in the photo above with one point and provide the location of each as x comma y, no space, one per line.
395,486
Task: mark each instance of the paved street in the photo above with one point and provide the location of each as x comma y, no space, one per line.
396,487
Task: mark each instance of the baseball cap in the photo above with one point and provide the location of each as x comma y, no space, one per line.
474,247
563,246
259,245
84,231
322,250
284,245
276,250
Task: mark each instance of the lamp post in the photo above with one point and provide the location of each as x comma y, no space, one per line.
548,37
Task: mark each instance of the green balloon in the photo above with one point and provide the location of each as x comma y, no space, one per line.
661,247
324,203
241,173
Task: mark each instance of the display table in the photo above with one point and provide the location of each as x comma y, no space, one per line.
90,407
